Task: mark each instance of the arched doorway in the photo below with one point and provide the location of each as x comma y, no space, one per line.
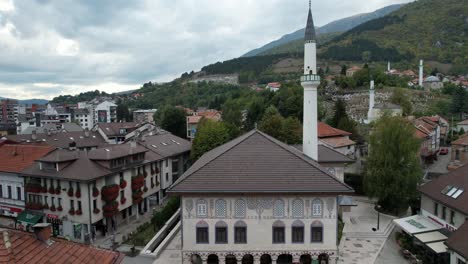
306,259
265,259
231,259
196,259
284,259
248,259
323,258
213,259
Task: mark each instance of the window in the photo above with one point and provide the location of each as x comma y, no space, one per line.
278,232
436,209
52,201
167,177
202,233
9,192
240,208
278,209
452,217
316,232
18,193
1,191
220,210
201,208
59,201
122,195
240,232
94,204
317,208
297,232
221,233
444,212
79,205
298,208
72,204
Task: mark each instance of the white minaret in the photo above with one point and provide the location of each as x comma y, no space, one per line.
310,81
421,73
371,100
388,67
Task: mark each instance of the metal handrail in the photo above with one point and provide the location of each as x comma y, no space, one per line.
310,78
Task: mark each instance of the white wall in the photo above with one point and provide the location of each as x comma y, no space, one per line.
259,224
13,180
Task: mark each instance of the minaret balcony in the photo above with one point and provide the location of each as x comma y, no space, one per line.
310,78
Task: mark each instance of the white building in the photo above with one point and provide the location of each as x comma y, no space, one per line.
86,194
144,116
105,112
83,117
258,200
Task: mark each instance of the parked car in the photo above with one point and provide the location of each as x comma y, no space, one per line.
443,151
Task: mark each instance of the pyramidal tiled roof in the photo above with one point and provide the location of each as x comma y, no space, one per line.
257,163
310,28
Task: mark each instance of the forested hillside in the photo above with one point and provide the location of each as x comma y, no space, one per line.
427,29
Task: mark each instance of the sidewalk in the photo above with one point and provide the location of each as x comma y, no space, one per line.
359,243
124,230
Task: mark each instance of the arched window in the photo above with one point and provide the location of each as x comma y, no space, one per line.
220,208
298,208
278,232
202,232
278,208
240,232
202,209
221,236
240,208
317,206
297,233
316,231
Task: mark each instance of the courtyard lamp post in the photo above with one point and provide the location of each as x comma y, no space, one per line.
377,207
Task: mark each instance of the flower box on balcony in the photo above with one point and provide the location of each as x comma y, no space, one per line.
123,200
137,182
110,209
123,184
95,192
96,211
71,212
78,212
70,192
110,193
58,190
78,194
51,190
60,208
43,189
52,208
34,206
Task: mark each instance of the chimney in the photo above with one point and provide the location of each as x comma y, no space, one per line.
86,132
43,232
421,73
34,135
310,81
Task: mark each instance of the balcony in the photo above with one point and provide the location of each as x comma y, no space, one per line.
310,78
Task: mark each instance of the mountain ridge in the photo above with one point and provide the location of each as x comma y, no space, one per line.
340,25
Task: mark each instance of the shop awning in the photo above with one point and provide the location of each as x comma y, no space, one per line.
437,247
28,218
416,224
431,237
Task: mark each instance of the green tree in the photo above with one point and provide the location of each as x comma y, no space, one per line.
393,168
344,68
291,131
232,113
210,134
254,112
459,101
400,98
339,112
123,114
272,123
366,56
172,119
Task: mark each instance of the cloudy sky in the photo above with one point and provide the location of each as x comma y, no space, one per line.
53,47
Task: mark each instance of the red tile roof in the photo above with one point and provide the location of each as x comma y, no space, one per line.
463,140
325,130
15,158
458,241
25,248
338,142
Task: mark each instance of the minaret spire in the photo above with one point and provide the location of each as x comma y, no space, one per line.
310,28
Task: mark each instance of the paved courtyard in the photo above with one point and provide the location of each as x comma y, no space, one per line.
359,244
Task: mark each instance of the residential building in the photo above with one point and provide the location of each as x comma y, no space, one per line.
430,134
105,112
84,140
54,115
62,127
13,159
463,124
194,119
336,139
351,71
258,200
19,247
8,110
441,224
83,117
91,193
459,154
144,116
273,86
116,133
7,129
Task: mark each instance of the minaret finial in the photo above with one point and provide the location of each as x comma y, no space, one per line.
310,4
